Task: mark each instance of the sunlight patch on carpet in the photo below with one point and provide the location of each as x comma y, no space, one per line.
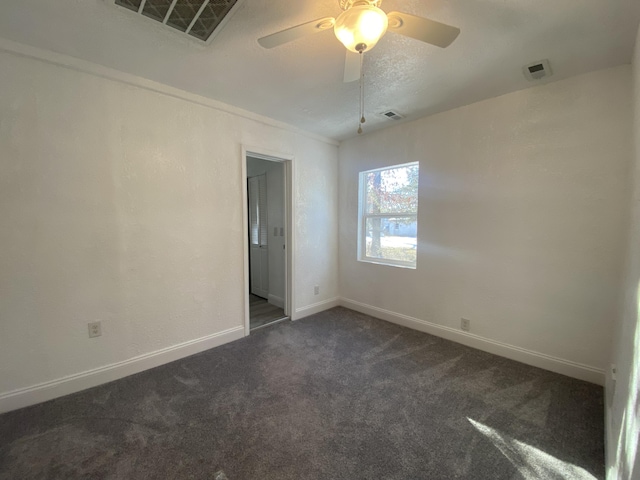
531,462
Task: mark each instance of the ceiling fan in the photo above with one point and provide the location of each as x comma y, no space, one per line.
361,25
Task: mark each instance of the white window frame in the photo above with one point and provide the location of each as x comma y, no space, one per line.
363,216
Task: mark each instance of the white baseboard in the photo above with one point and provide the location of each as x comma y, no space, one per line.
316,308
536,359
277,301
74,383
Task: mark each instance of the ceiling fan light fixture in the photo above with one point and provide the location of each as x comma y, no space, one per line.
360,27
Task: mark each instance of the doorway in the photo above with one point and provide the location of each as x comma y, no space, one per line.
267,239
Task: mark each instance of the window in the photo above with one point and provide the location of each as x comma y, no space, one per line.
388,227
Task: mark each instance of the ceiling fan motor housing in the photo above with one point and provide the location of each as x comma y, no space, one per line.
347,4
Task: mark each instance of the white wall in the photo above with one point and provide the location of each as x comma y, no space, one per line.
623,396
275,219
121,201
521,214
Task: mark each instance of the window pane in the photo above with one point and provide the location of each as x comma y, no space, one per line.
394,190
391,238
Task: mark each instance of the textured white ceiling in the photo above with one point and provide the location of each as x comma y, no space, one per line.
301,83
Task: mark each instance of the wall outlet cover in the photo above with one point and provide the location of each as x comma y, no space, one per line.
95,329
465,324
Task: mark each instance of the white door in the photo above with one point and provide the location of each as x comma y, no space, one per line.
258,230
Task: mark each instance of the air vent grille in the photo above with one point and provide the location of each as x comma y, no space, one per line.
392,115
130,4
197,18
537,70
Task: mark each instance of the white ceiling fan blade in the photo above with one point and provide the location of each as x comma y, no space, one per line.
299,31
351,67
422,29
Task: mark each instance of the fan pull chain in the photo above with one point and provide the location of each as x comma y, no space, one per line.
362,119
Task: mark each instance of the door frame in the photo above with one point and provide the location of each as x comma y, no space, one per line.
289,168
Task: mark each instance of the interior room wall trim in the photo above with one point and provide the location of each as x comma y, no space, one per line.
314,308
74,383
85,66
529,357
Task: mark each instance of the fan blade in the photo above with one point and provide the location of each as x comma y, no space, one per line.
422,29
351,67
299,31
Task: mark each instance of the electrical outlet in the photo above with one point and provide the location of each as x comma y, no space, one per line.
316,290
95,329
465,324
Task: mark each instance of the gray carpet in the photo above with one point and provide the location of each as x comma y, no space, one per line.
339,395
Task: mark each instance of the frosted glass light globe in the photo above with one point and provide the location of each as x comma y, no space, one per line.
360,27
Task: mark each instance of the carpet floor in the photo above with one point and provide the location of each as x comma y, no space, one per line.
338,395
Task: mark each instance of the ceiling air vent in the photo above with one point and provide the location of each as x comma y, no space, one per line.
197,18
392,115
537,70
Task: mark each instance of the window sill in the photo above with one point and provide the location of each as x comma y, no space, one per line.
387,263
